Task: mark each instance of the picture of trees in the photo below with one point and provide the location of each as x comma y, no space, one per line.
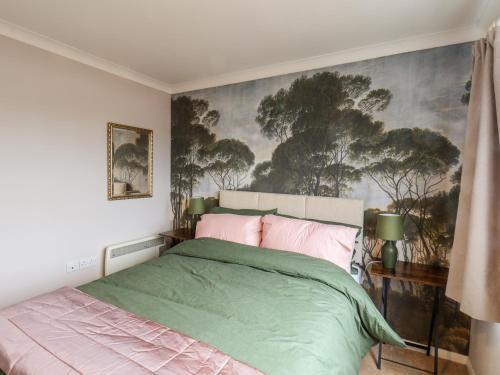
129,162
389,131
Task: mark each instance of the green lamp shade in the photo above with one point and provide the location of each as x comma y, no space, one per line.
196,206
211,202
389,227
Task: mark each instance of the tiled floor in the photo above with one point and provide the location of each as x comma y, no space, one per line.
414,358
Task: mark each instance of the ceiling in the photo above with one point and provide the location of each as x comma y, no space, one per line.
177,45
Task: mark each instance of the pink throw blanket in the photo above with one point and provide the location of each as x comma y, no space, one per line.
70,332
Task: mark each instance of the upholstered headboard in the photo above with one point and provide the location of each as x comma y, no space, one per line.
349,211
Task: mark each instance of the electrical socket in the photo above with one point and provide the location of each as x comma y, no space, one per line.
87,262
72,266
81,264
84,263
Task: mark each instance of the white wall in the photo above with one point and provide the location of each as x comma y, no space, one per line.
53,197
484,352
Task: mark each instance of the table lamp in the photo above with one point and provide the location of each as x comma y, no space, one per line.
390,229
195,209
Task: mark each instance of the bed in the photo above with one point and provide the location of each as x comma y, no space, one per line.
275,311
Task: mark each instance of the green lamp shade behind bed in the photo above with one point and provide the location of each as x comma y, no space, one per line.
196,206
195,209
389,228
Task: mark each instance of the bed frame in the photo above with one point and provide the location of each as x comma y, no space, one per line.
349,211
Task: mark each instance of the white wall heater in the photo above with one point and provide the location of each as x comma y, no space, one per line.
127,254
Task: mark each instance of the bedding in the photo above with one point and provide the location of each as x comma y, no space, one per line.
280,312
236,228
70,332
334,243
242,211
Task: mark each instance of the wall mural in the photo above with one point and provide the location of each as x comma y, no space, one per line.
389,131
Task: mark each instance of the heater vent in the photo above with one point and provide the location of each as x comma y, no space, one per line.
128,254
128,249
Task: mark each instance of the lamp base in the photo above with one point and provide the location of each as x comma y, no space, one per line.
194,220
389,255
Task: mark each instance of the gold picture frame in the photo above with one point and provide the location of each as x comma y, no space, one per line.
130,162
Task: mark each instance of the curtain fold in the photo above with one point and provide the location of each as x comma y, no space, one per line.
474,279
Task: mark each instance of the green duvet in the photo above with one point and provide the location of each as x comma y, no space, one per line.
280,312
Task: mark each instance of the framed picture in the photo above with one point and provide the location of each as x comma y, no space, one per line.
130,162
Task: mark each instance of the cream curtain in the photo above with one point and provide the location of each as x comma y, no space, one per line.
474,279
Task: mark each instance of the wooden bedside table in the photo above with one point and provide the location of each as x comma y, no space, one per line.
433,276
178,235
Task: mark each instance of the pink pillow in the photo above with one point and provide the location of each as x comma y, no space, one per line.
236,228
334,243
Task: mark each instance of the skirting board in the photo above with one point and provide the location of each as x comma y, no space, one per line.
470,369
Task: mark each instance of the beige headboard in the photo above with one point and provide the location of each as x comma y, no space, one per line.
349,211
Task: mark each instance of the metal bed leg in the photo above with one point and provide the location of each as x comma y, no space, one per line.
433,319
385,293
436,333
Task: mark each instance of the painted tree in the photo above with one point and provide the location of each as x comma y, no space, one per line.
192,124
129,162
437,216
410,166
142,143
317,121
466,95
132,159
371,244
227,161
261,180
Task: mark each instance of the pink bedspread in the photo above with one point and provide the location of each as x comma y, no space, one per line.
70,332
